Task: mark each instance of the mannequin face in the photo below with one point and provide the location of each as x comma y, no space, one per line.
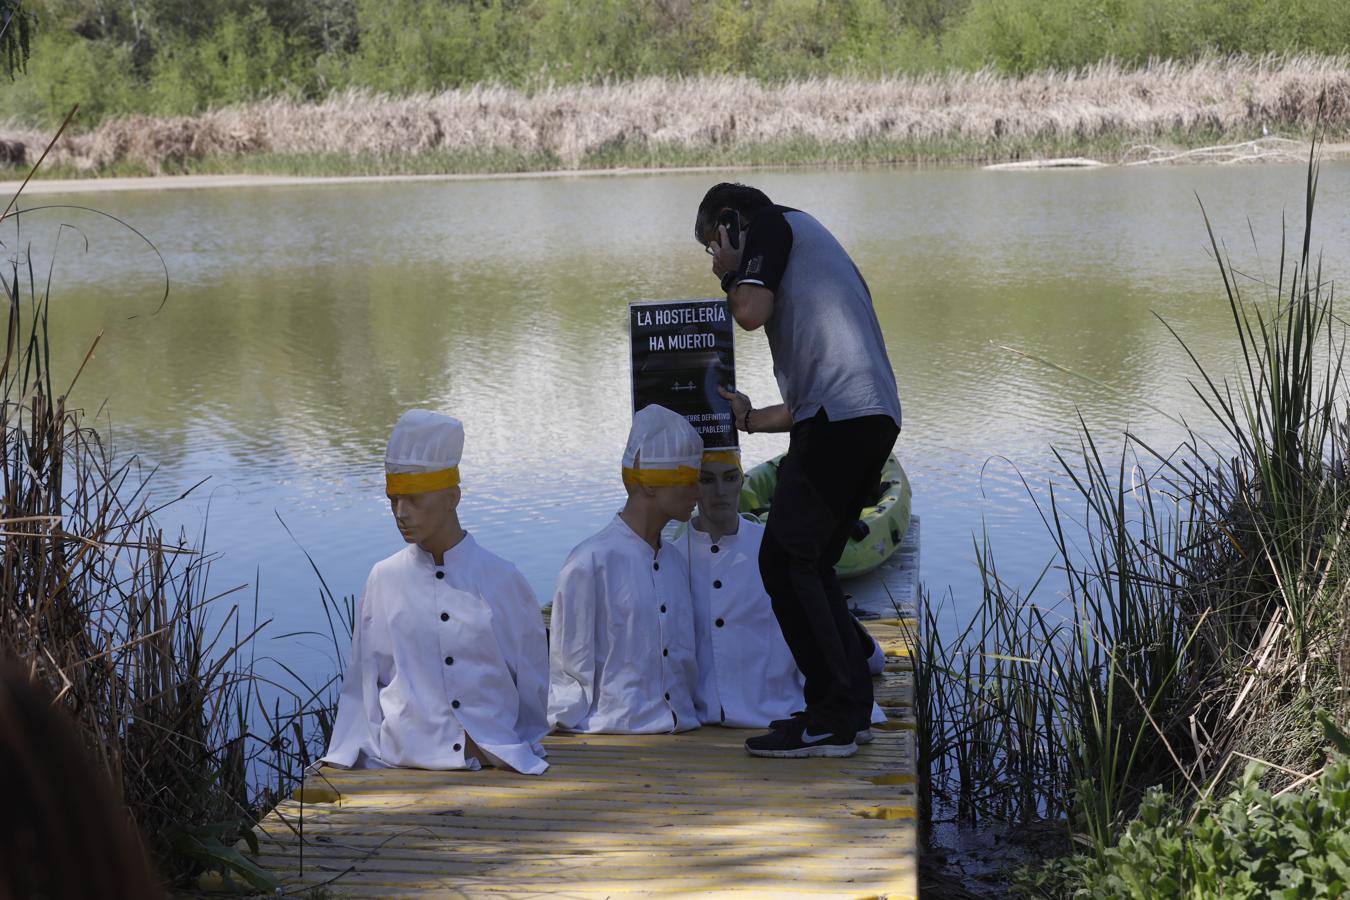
675,502
421,518
719,494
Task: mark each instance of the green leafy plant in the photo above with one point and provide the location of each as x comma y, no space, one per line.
213,846
1251,844
179,57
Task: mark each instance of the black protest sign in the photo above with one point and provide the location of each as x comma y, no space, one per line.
682,352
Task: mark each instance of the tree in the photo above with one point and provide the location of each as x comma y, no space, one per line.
16,35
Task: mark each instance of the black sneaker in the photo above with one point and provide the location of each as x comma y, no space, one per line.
790,743
797,719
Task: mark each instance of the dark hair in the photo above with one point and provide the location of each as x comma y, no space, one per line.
741,197
63,835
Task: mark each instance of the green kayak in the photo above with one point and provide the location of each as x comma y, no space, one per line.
880,527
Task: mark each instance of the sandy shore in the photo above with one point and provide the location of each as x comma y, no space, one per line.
1294,153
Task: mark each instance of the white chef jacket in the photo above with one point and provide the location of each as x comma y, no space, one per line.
746,674
747,677
621,653
438,652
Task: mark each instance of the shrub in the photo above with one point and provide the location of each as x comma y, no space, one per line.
65,70
243,58
178,56
16,35
1251,844
1021,36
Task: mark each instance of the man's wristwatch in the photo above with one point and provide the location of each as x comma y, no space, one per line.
745,419
729,281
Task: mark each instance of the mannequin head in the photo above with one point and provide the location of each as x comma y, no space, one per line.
719,490
666,503
660,471
430,520
421,474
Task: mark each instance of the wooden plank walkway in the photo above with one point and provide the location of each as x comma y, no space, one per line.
631,816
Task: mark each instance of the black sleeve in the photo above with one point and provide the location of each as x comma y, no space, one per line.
767,245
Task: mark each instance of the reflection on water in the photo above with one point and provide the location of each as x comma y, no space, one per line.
303,321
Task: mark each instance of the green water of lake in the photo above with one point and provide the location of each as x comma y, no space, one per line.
302,321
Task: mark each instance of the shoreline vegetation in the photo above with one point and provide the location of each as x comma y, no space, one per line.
159,674
1251,109
1164,712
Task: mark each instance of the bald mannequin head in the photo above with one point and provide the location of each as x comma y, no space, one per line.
719,489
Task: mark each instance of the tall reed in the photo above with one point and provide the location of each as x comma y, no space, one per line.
120,622
1201,593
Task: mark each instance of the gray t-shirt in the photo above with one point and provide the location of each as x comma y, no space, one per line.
827,348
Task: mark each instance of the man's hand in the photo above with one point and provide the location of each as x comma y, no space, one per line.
740,406
767,419
725,257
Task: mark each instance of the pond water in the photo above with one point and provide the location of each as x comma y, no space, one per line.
302,321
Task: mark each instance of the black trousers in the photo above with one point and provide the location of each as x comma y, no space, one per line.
829,474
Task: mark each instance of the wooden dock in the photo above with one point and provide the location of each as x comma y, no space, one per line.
632,816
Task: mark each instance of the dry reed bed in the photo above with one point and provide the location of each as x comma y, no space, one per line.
568,124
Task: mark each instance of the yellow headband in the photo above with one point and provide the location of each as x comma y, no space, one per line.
730,457
421,482
679,477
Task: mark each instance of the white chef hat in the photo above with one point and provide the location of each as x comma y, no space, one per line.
663,449
423,453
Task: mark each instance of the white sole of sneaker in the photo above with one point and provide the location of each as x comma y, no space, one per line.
834,750
863,737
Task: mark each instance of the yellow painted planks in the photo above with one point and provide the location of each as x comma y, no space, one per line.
619,816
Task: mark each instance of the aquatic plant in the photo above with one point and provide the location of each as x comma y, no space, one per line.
118,620
1201,615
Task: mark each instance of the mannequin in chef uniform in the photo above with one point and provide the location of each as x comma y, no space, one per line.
621,656
746,674
449,662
